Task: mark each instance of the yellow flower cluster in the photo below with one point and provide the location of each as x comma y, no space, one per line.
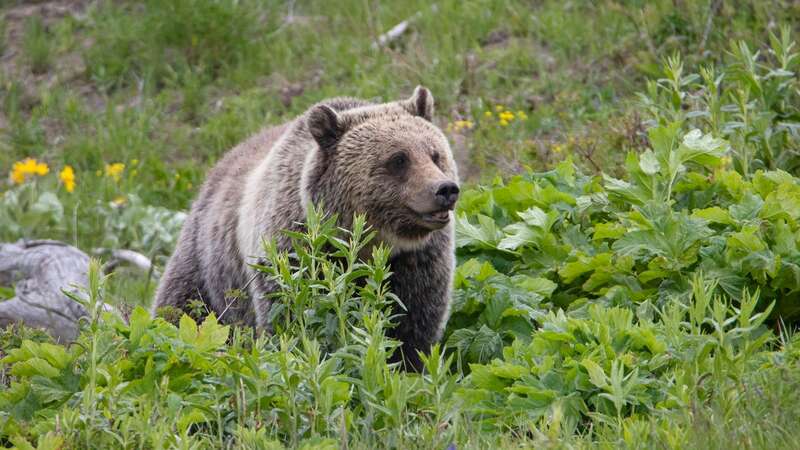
505,116
28,167
459,125
67,177
115,171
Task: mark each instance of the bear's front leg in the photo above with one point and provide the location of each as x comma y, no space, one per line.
422,280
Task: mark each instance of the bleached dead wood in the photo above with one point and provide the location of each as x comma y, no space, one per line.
41,271
394,33
120,257
398,30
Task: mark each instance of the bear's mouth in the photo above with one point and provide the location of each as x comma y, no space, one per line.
436,219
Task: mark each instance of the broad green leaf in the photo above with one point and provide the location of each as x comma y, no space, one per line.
596,374
535,217
483,235
540,286
626,191
34,366
507,370
664,139
572,270
192,417
339,391
714,214
139,320
48,205
518,235
748,207
733,183
483,377
702,149
608,230
211,334
649,163
782,202
746,241
187,329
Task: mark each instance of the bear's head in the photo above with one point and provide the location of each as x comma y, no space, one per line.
386,161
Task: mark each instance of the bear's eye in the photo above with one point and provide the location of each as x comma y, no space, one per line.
435,158
397,163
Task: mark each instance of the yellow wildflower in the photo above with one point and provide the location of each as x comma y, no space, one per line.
177,176
115,171
508,116
134,162
499,108
503,122
21,169
521,115
558,148
67,176
119,201
487,113
461,124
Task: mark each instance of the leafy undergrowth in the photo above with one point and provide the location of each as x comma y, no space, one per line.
588,311
642,293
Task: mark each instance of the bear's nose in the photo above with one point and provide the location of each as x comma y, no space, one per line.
447,194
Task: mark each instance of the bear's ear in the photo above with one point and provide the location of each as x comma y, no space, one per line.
325,125
421,103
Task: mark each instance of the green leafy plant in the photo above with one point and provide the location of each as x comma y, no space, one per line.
750,100
29,209
616,362
644,296
38,45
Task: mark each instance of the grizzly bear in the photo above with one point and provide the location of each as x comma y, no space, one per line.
386,161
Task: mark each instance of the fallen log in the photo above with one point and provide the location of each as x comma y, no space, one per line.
41,271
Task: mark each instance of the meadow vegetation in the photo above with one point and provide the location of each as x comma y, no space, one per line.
628,240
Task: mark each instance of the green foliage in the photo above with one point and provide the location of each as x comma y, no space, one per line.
324,286
630,281
38,45
206,383
613,362
622,242
171,42
750,100
152,230
323,378
29,210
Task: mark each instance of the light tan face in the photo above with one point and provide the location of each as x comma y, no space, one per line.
386,161
411,185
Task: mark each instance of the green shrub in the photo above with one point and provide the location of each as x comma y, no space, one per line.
626,242
37,45
751,100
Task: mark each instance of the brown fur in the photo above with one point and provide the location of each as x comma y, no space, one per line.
386,161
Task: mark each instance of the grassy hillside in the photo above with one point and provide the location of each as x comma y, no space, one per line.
623,280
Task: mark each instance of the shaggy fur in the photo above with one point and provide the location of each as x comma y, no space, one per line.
386,161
